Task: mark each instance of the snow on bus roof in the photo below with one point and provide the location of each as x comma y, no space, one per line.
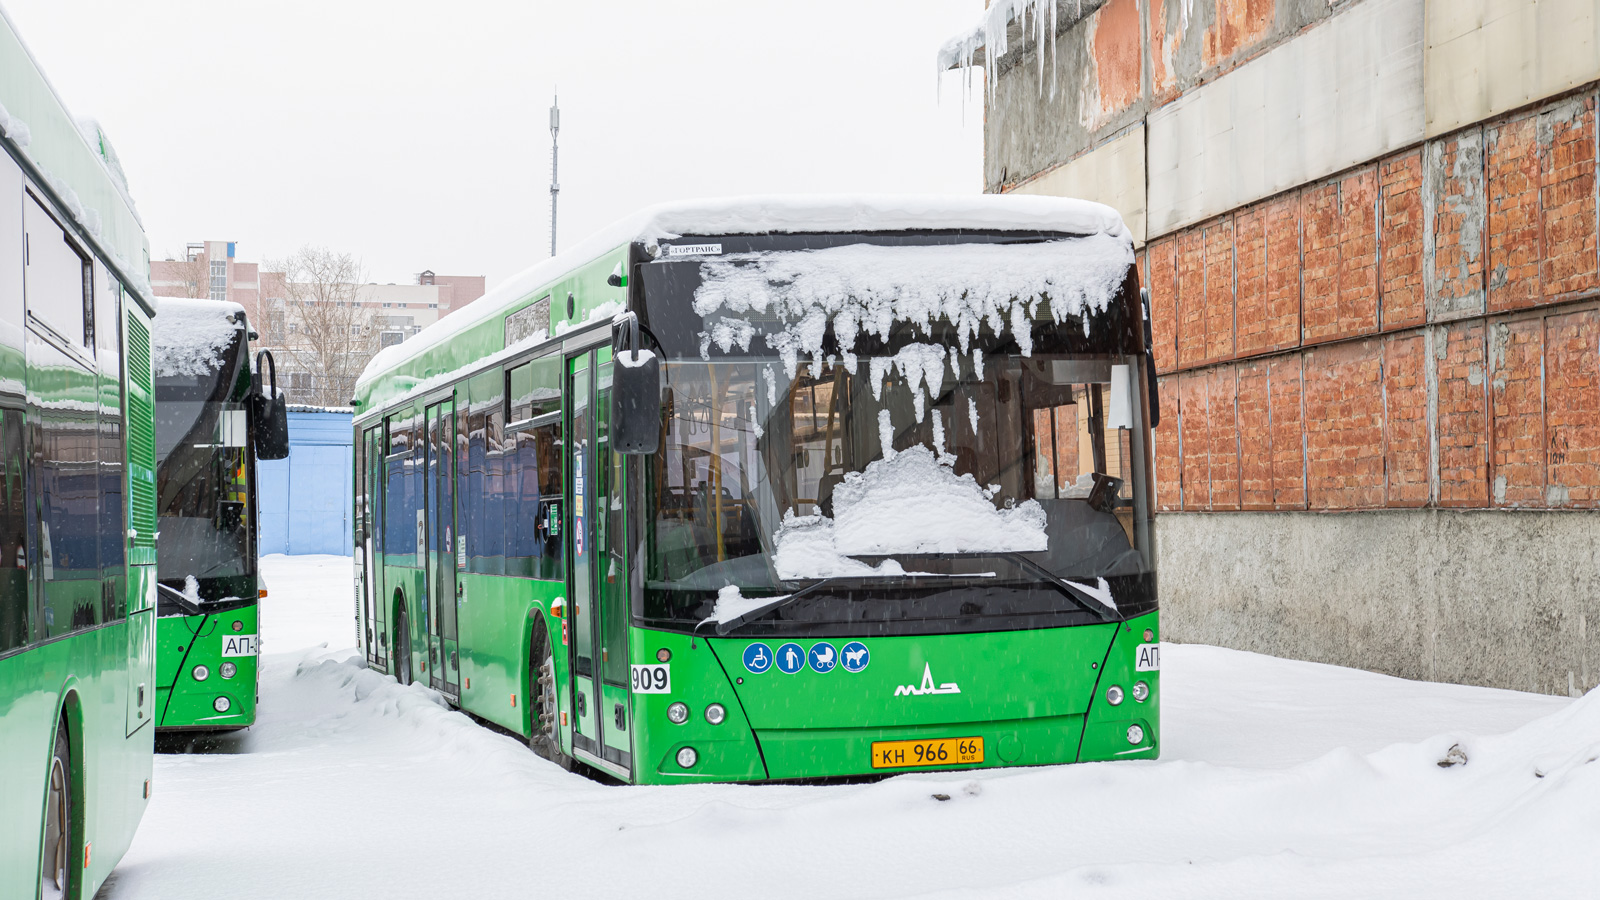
187,336
771,214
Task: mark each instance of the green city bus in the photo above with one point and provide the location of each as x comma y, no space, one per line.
77,496
206,559
780,489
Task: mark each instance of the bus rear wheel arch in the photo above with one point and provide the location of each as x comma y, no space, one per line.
402,641
542,691
58,847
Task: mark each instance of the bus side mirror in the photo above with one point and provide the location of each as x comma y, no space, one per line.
635,392
269,412
1150,361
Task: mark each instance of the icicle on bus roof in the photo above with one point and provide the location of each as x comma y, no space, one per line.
733,216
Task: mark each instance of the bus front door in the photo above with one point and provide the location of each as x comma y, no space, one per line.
444,663
596,580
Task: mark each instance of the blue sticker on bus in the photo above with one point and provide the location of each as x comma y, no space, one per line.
791,658
758,657
823,658
855,656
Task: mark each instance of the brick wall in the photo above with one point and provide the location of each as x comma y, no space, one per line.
1419,331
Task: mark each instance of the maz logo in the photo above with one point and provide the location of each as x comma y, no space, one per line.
911,690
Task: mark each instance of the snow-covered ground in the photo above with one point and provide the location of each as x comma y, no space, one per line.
1278,779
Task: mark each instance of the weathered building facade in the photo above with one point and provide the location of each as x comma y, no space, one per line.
1369,230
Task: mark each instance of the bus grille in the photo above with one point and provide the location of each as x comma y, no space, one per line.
141,442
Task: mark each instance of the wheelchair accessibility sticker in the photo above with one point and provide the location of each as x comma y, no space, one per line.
758,658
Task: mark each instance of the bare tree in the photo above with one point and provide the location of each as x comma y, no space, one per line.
331,334
192,276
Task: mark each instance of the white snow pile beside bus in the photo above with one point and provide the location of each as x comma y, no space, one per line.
188,337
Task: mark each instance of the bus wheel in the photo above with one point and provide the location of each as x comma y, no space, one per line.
542,678
402,649
57,855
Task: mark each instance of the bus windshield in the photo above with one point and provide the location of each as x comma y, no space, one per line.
202,464
928,472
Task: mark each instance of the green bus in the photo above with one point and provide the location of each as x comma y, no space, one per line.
77,496
780,489
206,561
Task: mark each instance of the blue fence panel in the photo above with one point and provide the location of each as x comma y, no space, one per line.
272,493
305,499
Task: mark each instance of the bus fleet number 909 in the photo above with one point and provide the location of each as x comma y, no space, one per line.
652,679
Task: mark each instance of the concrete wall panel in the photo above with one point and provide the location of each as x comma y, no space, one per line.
1112,173
1485,57
1346,91
1488,597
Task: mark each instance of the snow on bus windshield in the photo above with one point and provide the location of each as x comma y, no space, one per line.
864,288
839,417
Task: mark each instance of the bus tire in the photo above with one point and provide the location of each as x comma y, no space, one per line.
57,853
402,647
542,688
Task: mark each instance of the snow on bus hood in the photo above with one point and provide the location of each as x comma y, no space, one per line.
866,287
910,502
187,337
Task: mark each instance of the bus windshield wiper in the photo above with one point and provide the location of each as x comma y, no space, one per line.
189,606
753,614
1088,602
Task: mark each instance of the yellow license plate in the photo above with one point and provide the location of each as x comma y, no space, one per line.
937,752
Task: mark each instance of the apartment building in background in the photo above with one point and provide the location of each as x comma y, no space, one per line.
1369,232
302,336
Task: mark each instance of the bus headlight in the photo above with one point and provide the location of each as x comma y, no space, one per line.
1135,734
678,713
1141,691
687,757
715,714
228,670
1114,695
200,673
223,704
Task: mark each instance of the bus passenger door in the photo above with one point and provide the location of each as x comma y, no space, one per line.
580,578
367,560
611,574
596,582
444,664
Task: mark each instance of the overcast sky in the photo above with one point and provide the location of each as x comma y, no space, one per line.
416,134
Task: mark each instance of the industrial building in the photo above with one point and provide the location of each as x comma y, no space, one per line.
1368,228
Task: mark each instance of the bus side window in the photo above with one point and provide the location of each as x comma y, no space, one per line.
481,511
400,535
533,469
59,277
494,485
14,597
